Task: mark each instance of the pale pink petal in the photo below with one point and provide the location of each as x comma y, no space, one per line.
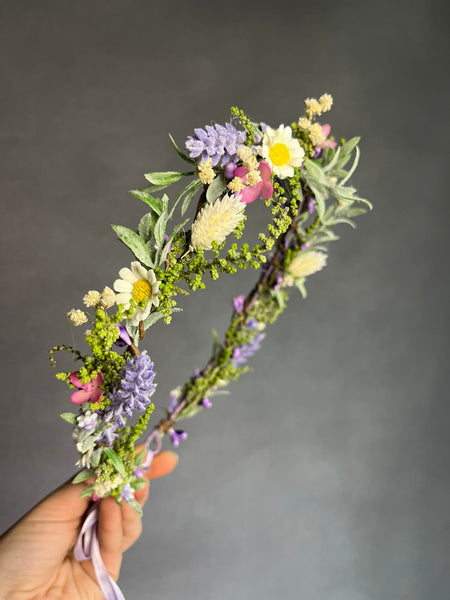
264,171
251,193
73,378
79,397
326,130
241,172
266,190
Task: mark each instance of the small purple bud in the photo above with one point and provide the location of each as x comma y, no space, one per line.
205,402
176,436
278,283
304,246
252,323
263,127
124,338
238,303
229,170
138,473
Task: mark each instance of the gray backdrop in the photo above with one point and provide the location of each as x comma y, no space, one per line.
325,474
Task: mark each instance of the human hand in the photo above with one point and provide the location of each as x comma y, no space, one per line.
36,559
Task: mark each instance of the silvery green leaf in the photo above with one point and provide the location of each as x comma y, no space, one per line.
314,170
180,152
88,491
333,162
152,318
145,196
166,178
216,342
353,167
160,228
347,148
83,475
135,505
88,443
339,173
300,285
354,211
133,331
279,297
165,202
69,417
194,186
320,196
146,226
95,457
340,220
134,243
216,188
116,461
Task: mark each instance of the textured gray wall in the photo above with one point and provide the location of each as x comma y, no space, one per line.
325,474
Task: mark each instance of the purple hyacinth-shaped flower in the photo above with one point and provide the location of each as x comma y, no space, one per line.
218,142
176,435
243,352
127,493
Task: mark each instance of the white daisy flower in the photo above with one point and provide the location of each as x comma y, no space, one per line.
281,151
306,263
215,221
138,284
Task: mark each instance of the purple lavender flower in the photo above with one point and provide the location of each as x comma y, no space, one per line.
252,323
136,388
245,351
109,435
220,143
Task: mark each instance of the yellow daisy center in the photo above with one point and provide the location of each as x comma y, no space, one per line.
279,154
141,289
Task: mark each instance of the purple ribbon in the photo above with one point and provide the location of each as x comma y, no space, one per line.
87,546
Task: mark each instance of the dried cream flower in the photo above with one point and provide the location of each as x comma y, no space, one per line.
215,221
253,177
108,297
306,263
236,185
304,123
326,102
76,317
92,298
316,134
251,164
288,280
206,173
244,153
313,107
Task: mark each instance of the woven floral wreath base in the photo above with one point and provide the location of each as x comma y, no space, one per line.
299,174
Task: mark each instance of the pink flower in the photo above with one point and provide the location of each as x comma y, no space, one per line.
88,391
263,188
326,144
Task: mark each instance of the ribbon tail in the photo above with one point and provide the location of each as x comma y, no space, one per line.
87,547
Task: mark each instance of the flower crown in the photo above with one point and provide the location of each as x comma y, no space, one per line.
300,174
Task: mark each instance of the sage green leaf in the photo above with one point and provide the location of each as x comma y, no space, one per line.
88,491
300,285
88,443
134,242
180,152
216,188
152,318
83,475
189,194
69,417
166,178
135,506
165,202
314,170
154,203
160,228
116,461
347,148
355,211
146,226
95,457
